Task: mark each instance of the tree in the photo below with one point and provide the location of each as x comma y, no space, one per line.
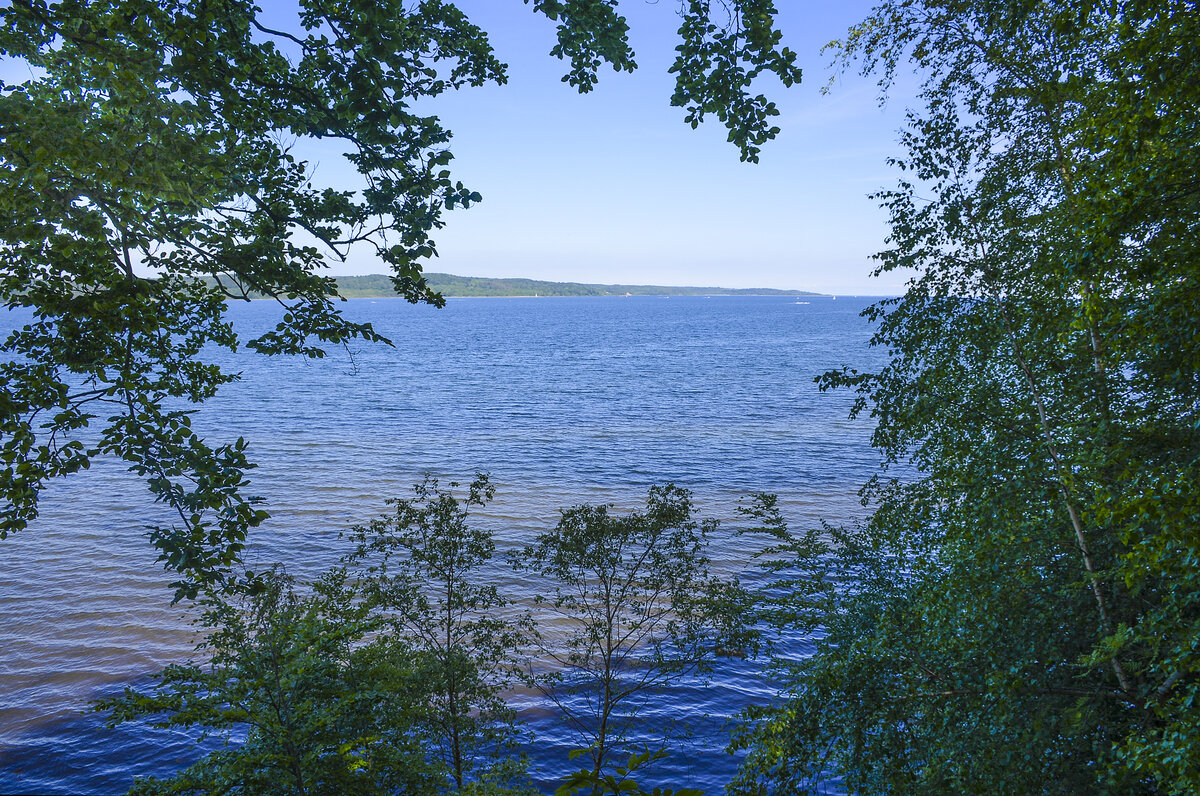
327,703
1021,609
424,573
147,177
387,677
634,610
388,674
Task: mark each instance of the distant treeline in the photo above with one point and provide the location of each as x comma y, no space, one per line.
378,285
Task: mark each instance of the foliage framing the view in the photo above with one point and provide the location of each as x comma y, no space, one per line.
146,176
1024,614
388,674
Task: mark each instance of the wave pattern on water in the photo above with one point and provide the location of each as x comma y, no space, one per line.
563,401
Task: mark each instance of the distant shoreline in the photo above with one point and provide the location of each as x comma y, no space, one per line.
640,295
379,286
452,286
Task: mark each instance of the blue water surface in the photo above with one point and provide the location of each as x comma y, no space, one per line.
561,400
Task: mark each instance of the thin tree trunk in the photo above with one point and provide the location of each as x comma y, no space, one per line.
1061,479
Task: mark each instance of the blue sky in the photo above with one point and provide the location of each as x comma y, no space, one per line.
612,186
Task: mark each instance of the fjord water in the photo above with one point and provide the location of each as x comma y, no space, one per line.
561,400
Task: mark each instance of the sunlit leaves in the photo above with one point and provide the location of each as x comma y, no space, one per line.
718,63
1024,600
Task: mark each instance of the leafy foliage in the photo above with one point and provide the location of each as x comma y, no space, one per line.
327,705
147,176
632,610
619,782
386,678
718,62
793,593
425,576
1023,609
154,143
389,674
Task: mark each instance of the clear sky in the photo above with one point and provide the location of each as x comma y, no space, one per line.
612,186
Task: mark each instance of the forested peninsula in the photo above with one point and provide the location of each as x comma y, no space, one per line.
380,286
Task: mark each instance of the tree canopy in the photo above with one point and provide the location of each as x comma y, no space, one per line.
147,176
1024,608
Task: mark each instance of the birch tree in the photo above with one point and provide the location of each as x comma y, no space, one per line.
1024,608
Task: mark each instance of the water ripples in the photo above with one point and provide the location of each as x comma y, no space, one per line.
563,401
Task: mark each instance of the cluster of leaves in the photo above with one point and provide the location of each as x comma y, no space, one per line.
718,63
147,176
641,613
149,151
619,782
389,674
422,571
384,677
328,703
1024,605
